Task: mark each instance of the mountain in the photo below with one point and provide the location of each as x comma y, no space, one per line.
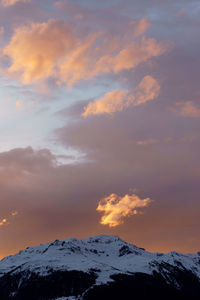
100,267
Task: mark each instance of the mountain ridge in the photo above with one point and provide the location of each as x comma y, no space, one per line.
95,263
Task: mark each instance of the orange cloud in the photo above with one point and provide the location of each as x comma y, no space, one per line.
147,142
111,102
2,30
7,3
14,213
5,221
148,89
77,66
141,27
130,56
187,109
19,105
34,50
53,49
116,208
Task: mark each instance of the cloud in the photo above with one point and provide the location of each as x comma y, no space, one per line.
5,221
19,105
14,213
110,103
7,3
2,30
52,205
78,65
35,49
147,142
142,27
148,89
130,56
116,208
55,49
56,200
26,159
187,109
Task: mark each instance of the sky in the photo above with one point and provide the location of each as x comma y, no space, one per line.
100,122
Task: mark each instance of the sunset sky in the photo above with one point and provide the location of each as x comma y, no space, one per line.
100,122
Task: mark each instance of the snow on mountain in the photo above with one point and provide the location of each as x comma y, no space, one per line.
104,255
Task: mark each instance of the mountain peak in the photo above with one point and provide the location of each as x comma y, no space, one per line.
103,257
102,238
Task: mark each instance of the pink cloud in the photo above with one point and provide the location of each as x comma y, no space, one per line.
142,27
7,3
54,49
147,142
187,109
147,90
130,56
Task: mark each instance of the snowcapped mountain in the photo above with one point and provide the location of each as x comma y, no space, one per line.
100,267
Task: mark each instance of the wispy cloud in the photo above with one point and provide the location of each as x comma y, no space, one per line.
19,105
117,100
7,3
142,27
187,109
147,142
115,208
2,30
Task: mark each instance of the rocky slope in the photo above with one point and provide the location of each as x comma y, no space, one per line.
100,267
